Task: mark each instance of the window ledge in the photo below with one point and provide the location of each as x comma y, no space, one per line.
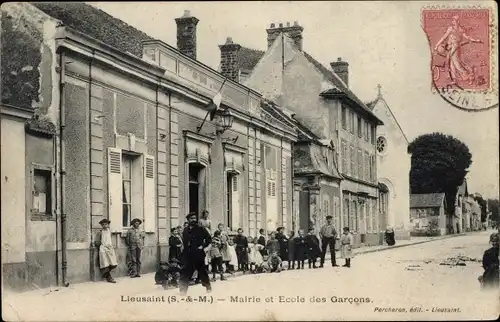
42,217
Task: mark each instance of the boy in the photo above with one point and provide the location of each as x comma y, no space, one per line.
312,245
300,249
107,257
291,251
168,274
274,262
346,241
241,251
134,243
174,245
216,256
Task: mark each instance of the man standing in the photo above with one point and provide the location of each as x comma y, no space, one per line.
328,236
195,239
134,243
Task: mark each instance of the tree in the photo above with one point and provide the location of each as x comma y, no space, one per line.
493,205
439,163
482,203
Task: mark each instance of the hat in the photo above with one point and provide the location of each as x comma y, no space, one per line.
136,220
329,217
104,221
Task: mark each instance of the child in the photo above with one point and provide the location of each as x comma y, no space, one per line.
490,277
273,245
174,245
224,250
274,263
107,256
256,256
168,274
300,249
262,241
233,263
312,245
134,243
241,251
291,251
216,257
346,241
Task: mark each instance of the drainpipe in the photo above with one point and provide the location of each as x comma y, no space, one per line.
91,247
158,247
56,161
62,168
294,223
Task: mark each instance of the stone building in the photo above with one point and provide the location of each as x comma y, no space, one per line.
322,102
428,214
393,169
124,140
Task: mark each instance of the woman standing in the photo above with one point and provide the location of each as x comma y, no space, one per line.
205,222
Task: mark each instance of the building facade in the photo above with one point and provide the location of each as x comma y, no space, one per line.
393,169
126,142
428,214
321,100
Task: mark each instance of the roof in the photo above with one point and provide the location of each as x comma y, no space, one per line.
371,105
248,58
426,200
312,159
96,24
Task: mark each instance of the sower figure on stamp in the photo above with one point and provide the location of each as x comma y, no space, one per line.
195,239
328,235
134,243
107,256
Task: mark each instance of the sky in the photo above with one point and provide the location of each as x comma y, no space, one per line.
383,42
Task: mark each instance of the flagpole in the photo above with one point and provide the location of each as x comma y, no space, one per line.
198,129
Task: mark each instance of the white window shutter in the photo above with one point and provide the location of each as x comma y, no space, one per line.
235,204
115,189
149,194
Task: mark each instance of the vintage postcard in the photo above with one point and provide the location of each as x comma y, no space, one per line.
250,161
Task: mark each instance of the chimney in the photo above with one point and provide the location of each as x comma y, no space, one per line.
229,63
293,31
341,68
186,34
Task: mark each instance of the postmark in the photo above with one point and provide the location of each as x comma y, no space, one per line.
463,63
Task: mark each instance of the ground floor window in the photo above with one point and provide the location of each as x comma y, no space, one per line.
42,192
196,187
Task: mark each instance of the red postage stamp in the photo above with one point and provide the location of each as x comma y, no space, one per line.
460,41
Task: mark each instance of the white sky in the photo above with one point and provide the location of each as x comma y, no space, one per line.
382,41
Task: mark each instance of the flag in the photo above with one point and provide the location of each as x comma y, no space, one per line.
214,105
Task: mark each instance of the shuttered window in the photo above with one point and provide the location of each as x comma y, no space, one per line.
360,165
115,190
353,161
345,156
149,195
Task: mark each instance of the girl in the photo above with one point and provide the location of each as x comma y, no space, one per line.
224,250
346,241
216,257
300,249
233,262
251,254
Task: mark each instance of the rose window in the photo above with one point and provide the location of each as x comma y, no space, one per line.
381,144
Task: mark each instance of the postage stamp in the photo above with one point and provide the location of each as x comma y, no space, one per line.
463,50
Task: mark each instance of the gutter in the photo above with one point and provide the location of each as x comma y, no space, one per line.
62,164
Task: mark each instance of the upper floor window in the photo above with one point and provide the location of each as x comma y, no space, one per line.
351,113
353,161
360,127
344,117
345,154
372,134
367,130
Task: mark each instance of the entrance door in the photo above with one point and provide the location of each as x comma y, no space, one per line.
195,188
229,200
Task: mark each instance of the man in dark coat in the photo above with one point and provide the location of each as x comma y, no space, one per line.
328,236
283,241
195,239
262,241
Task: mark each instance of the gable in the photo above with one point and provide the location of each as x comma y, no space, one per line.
382,110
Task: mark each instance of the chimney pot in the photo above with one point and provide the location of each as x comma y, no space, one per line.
339,59
187,14
288,24
294,32
273,25
341,69
229,63
229,40
281,25
295,23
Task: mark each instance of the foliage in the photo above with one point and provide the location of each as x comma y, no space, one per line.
439,163
493,206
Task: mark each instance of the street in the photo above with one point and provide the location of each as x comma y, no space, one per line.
409,280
